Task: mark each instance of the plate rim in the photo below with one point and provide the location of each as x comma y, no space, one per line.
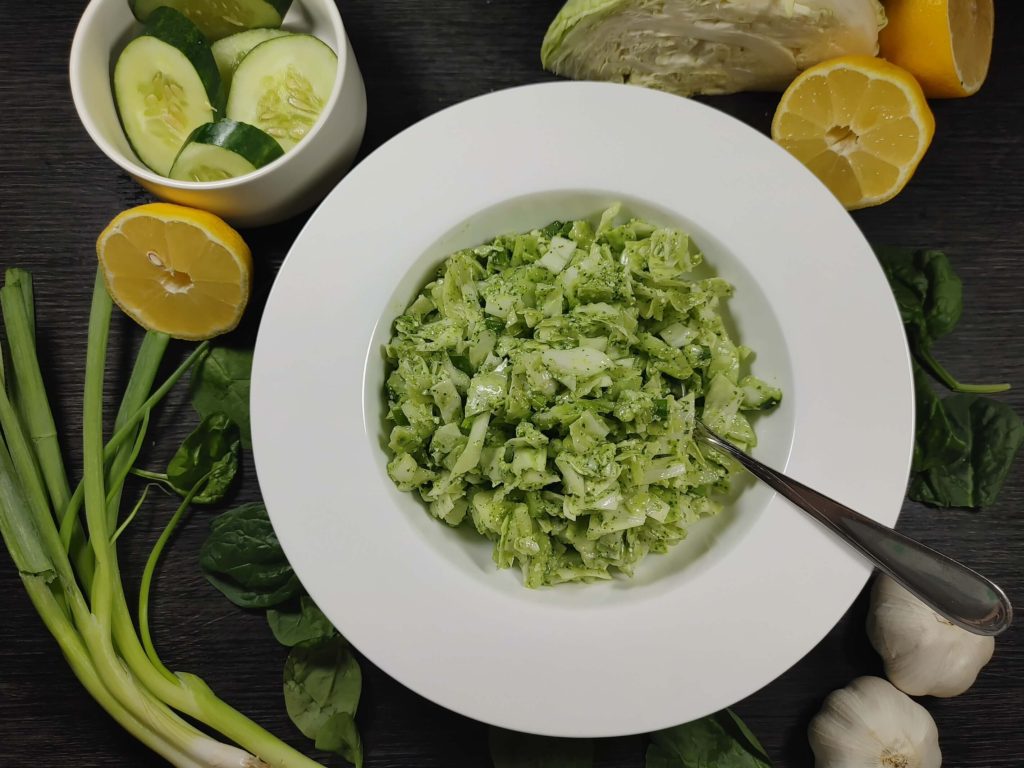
260,386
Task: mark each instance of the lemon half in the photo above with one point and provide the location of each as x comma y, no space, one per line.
945,44
176,270
860,124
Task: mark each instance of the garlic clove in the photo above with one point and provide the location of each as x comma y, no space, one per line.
924,654
870,724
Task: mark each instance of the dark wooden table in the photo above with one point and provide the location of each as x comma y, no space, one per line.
57,191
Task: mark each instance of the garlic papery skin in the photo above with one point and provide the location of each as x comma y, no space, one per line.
924,654
870,724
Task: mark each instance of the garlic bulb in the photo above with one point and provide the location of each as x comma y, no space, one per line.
924,654
870,724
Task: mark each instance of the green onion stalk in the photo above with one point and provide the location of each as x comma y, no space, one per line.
64,545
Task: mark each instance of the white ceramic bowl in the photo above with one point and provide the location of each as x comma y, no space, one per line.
751,590
272,193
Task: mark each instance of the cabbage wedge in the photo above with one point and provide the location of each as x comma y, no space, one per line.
706,46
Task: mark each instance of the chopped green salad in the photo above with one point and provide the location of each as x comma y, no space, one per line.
543,389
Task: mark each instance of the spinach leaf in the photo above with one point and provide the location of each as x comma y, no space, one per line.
929,295
341,736
716,741
210,452
936,443
243,559
744,735
301,624
969,468
510,749
221,383
322,684
927,290
322,680
963,445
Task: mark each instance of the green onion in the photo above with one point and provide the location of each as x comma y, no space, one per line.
71,572
31,393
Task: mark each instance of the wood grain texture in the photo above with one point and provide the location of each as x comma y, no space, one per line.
57,191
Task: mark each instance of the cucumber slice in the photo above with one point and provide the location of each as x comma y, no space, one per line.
223,150
165,85
230,51
282,85
220,18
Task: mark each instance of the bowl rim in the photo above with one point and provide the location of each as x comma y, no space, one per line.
146,175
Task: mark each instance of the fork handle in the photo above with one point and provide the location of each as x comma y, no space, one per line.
951,589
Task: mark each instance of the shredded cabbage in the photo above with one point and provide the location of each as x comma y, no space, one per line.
543,389
706,46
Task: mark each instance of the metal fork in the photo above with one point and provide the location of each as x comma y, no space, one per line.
951,589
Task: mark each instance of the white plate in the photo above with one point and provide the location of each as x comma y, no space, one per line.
725,612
